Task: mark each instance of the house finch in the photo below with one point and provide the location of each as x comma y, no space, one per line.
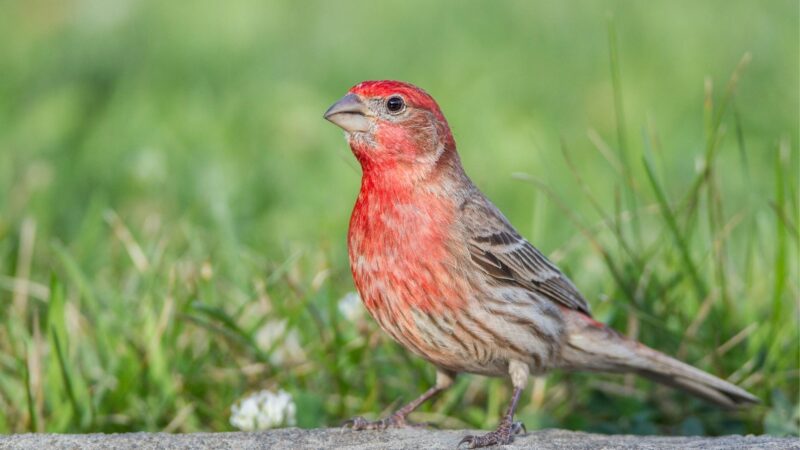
445,274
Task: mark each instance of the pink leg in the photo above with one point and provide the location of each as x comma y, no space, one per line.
399,418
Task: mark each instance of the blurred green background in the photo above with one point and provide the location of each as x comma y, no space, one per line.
174,207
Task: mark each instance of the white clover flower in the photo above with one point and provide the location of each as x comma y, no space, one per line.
264,410
350,306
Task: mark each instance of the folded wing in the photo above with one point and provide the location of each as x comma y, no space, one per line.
507,258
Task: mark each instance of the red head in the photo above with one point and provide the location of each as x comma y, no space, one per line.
390,124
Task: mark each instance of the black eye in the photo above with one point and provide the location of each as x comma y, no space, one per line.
395,104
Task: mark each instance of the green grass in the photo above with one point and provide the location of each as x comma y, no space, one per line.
174,208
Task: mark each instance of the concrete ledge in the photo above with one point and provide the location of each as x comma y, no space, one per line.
390,439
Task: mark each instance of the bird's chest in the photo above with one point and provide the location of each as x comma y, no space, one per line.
401,255
405,267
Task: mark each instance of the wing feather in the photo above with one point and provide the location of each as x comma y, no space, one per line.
505,256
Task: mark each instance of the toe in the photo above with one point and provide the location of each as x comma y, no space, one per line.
497,437
356,423
467,440
393,421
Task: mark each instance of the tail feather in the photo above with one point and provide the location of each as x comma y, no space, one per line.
593,346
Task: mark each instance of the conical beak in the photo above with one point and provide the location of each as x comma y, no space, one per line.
349,113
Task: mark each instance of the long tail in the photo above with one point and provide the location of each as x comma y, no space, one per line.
593,346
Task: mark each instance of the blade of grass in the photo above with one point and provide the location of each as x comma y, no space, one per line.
605,152
619,111
615,228
33,422
74,385
787,222
55,309
65,375
780,269
227,323
24,260
740,143
715,224
713,123
76,275
672,225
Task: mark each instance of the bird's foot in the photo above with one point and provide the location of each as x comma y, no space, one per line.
504,434
394,421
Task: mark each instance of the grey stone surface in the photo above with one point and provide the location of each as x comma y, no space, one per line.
291,438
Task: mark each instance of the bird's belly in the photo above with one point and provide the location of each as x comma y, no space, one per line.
419,302
444,341
456,330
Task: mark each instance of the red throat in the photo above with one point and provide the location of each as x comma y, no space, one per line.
399,249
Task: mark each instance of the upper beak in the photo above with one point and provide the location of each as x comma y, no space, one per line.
350,113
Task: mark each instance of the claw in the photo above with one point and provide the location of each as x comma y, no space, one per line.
501,436
356,423
466,440
394,421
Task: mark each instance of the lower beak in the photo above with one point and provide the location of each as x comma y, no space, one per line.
349,113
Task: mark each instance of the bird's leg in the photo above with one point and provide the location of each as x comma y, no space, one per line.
504,434
444,379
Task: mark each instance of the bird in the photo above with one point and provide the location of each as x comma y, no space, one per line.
445,274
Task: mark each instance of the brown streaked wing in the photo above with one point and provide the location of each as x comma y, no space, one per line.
499,251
